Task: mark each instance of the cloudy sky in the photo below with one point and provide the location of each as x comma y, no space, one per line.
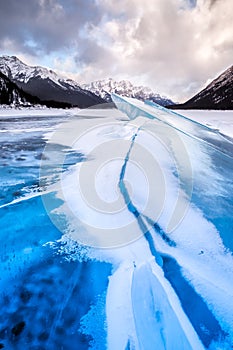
172,46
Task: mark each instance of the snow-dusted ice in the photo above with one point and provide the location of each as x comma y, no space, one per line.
221,121
141,204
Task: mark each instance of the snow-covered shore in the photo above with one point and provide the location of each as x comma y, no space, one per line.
222,120
37,110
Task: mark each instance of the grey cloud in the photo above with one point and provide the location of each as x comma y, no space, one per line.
212,3
51,24
92,53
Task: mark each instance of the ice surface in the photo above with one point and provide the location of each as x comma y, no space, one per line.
41,300
103,214
152,196
218,120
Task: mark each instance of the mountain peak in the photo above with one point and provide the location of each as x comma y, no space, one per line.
9,58
216,95
225,77
15,69
46,84
105,87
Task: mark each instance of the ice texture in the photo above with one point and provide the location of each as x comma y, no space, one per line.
144,233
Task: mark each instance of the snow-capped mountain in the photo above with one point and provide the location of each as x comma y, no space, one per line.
217,95
46,84
104,88
10,94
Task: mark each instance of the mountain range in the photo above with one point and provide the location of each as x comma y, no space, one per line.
11,94
46,85
105,87
21,84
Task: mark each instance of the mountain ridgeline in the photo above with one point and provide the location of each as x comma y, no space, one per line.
51,88
104,88
217,95
11,94
46,85
24,85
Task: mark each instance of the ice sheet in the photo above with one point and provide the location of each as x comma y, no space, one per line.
119,198
137,229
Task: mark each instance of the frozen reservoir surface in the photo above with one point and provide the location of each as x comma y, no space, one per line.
116,228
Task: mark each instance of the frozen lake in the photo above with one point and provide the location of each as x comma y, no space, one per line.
116,228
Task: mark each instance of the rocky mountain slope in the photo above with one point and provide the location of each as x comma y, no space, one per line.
11,94
46,84
217,95
104,88
49,86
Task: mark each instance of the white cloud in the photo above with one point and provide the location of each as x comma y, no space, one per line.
168,45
